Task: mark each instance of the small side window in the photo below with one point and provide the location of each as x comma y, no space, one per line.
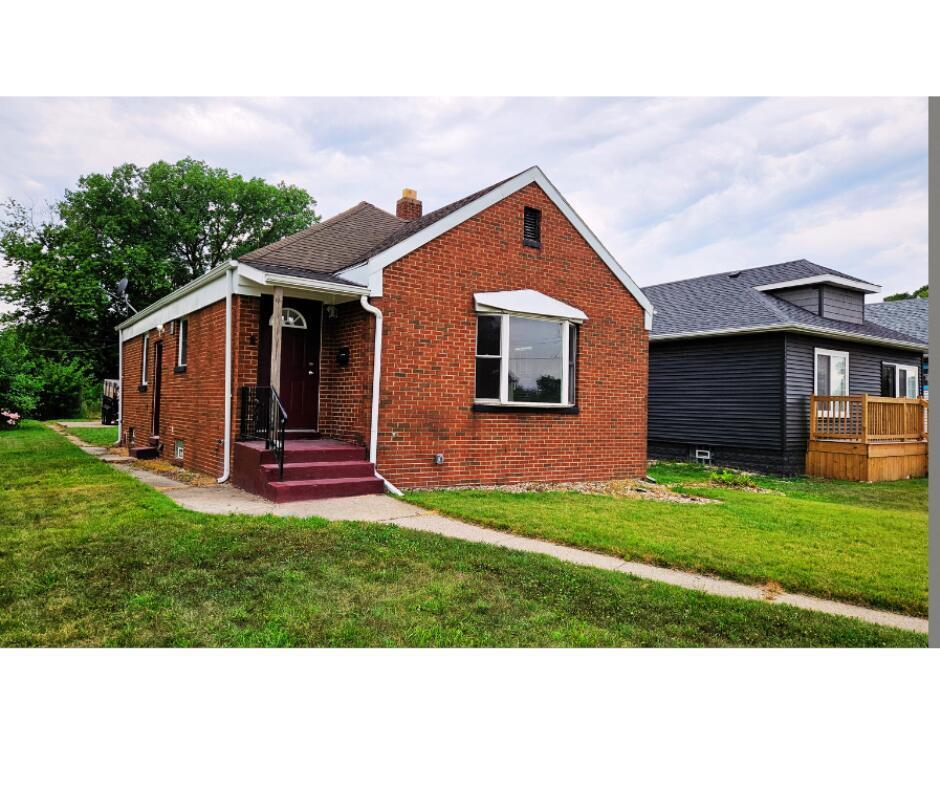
144,352
182,344
532,228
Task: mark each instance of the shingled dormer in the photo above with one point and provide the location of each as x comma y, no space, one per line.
827,295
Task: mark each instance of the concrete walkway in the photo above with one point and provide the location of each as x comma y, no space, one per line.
226,499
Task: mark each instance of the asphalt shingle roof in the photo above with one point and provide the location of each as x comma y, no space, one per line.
728,301
347,239
909,316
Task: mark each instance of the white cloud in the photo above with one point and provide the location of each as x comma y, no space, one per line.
674,187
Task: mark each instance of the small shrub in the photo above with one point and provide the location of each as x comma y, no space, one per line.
9,419
725,477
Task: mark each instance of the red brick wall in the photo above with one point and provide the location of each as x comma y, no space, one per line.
192,402
346,392
428,359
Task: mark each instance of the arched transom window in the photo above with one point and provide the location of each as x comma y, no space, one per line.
290,318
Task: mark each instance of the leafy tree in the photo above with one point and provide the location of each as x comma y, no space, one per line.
37,386
920,292
160,226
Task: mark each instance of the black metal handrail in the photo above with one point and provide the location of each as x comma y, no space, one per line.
263,417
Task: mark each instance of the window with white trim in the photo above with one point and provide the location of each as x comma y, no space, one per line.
831,373
525,361
145,350
182,343
900,380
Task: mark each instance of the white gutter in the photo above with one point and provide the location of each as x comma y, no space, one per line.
376,385
195,284
120,387
227,439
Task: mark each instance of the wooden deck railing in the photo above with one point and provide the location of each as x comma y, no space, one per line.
866,419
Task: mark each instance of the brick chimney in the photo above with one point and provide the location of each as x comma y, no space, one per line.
409,206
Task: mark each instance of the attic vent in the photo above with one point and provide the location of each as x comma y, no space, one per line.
734,274
532,228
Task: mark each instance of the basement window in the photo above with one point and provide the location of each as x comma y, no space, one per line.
182,345
532,228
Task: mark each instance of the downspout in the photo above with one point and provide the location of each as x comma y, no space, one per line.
376,385
227,439
120,387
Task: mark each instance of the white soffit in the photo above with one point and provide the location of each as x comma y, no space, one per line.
527,302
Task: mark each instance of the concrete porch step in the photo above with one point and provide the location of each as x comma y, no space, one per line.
313,489
338,469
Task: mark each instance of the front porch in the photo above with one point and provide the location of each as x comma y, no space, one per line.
867,438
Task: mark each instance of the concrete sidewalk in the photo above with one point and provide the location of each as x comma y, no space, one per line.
226,499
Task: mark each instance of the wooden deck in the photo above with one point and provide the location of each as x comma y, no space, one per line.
866,438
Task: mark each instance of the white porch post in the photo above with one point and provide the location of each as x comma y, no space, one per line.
276,339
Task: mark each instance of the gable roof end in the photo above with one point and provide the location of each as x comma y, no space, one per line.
418,233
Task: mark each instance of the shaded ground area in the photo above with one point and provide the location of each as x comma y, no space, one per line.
860,543
89,556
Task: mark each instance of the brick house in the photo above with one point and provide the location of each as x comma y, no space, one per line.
493,340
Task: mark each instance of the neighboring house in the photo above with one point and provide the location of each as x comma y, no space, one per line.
511,347
736,357
910,317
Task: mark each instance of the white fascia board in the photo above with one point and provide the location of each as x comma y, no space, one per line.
796,328
271,279
179,304
527,302
532,175
129,326
822,279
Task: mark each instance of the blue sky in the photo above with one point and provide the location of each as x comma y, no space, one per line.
673,187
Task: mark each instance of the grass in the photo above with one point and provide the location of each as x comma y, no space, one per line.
861,543
91,557
96,436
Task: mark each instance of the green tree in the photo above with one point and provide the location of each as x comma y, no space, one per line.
160,226
920,292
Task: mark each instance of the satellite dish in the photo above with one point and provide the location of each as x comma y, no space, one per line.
122,286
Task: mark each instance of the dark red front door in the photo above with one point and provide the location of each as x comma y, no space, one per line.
299,387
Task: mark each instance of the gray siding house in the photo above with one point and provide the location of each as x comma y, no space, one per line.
735,357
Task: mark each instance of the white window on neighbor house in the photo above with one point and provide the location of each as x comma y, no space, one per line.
907,381
525,359
831,371
178,450
182,343
144,352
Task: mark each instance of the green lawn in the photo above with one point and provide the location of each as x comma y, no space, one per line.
91,557
96,436
863,543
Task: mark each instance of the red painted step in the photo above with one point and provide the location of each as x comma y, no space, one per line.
312,489
298,471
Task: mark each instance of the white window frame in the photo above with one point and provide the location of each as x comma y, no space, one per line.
181,334
504,360
178,450
909,369
289,309
835,354
145,351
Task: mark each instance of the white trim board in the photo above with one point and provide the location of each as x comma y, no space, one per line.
821,279
211,287
375,265
796,328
